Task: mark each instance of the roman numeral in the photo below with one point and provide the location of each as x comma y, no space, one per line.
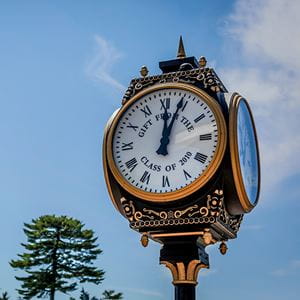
186,175
146,110
146,177
128,146
205,137
132,126
199,118
165,181
184,105
200,157
131,164
165,103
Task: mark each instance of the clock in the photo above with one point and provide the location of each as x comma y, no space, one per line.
244,153
166,142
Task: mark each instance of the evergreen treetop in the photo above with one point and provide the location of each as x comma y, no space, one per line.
60,253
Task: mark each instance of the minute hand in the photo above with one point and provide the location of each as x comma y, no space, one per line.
179,105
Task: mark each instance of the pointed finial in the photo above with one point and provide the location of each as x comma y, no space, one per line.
181,52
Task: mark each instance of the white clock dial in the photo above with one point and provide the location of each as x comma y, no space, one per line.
165,140
248,152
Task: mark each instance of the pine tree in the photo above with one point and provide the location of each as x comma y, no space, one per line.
60,253
84,295
107,294
4,296
111,295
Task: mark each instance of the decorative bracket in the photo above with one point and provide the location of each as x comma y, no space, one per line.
185,274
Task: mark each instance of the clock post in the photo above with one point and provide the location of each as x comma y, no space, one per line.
181,164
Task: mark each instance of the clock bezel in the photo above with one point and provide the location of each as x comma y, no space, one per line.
197,183
243,198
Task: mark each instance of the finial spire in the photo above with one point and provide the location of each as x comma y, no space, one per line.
181,52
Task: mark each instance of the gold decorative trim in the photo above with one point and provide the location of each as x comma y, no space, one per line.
183,274
247,206
172,234
194,214
104,160
213,213
205,235
196,184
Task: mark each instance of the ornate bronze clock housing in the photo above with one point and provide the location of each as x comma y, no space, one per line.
180,165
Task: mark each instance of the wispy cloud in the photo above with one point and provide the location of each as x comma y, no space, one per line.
100,65
270,43
207,272
144,292
292,268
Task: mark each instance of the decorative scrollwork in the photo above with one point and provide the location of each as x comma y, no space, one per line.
206,77
210,213
129,210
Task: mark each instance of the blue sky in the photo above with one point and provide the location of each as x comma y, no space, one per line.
64,66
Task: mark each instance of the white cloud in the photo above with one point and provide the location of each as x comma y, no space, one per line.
292,268
269,36
269,28
206,272
100,65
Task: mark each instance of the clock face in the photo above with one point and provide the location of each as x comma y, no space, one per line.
248,152
244,154
167,142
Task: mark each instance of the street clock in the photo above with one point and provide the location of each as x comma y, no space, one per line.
181,163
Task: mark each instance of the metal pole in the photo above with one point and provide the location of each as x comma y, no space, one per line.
185,292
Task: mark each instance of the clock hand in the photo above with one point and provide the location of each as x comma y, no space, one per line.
166,133
179,105
164,137
165,118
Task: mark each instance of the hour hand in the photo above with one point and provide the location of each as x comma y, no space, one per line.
166,132
165,137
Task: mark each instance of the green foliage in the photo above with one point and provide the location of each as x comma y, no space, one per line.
107,295
84,295
4,296
111,295
60,253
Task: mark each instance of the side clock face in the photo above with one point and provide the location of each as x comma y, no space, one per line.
166,142
244,153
